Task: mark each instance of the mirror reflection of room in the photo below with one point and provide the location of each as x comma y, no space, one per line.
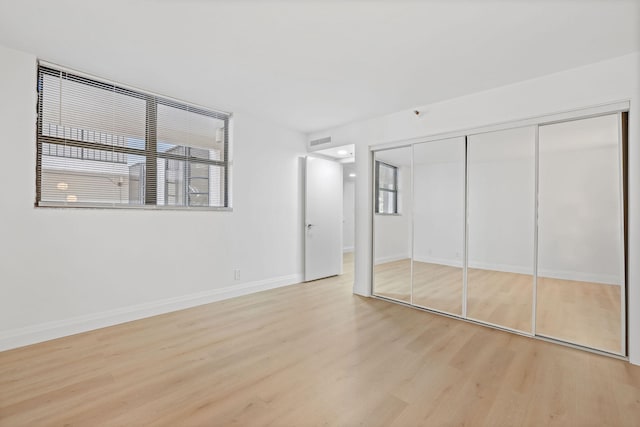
438,238
501,187
580,246
392,224
549,263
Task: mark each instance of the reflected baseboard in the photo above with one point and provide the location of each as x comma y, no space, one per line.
441,261
604,279
392,258
503,268
577,276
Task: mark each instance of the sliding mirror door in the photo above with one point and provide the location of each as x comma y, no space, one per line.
580,292
392,224
501,187
438,218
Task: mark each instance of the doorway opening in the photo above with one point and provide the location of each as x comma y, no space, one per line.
345,156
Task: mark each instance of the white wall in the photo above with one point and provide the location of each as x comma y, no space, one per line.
579,208
579,197
501,188
439,196
579,220
603,82
348,214
68,270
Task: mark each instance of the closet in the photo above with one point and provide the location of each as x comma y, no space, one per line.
520,227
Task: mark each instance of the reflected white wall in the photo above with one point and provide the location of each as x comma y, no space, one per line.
501,185
579,236
439,175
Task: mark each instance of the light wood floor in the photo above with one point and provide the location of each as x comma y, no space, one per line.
588,313
583,313
500,298
309,355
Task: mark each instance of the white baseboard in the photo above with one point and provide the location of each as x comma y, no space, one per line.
61,328
440,261
578,276
391,258
605,279
347,249
506,268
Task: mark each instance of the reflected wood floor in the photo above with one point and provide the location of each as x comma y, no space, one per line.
579,312
588,312
308,355
500,298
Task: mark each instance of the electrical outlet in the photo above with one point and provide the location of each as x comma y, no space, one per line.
236,274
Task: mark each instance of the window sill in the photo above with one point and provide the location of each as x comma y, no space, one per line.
62,205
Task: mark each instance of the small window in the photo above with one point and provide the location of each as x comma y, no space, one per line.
386,188
100,144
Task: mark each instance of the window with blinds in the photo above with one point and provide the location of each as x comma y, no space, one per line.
386,188
101,144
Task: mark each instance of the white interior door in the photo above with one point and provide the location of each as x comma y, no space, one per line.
323,218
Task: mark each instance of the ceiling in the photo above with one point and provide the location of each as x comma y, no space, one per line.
395,156
343,153
311,65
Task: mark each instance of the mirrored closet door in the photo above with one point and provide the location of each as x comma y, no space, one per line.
580,291
438,218
392,224
521,228
501,188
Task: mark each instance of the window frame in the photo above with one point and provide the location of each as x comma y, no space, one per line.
149,152
379,163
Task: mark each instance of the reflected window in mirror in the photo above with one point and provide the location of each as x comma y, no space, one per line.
386,188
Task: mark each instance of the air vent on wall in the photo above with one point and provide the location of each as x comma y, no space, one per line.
320,141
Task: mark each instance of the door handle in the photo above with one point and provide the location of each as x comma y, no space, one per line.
309,226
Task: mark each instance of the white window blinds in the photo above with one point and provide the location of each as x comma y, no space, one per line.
103,145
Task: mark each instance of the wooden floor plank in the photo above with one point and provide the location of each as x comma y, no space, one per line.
306,355
583,313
